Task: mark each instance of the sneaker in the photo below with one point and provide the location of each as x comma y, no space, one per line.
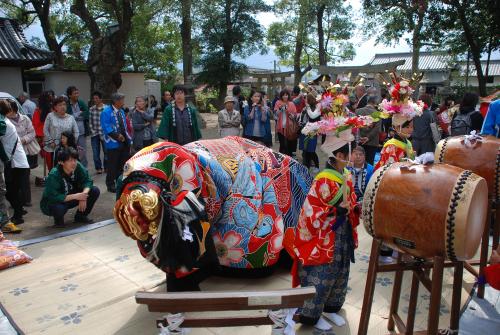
83,219
385,259
11,228
16,220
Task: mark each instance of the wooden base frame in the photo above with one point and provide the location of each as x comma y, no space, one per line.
183,302
420,271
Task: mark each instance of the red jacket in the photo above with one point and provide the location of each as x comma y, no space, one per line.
37,123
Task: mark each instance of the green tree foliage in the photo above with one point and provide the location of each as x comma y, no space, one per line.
227,28
468,27
311,32
392,20
154,43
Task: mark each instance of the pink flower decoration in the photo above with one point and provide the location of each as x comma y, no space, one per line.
226,248
326,102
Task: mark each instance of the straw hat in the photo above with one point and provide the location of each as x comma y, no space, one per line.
228,99
334,142
398,119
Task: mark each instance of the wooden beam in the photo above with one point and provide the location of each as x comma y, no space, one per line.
235,321
181,302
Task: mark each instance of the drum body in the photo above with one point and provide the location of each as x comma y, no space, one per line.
481,157
427,210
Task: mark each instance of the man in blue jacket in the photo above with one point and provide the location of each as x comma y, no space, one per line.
491,125
116,139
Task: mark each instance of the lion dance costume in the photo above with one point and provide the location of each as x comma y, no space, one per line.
227,201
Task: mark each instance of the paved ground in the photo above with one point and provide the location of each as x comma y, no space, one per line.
37,224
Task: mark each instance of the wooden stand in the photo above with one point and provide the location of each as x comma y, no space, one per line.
493,209
420,275
182,302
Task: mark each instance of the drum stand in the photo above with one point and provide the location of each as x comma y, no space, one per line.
420,270
493,209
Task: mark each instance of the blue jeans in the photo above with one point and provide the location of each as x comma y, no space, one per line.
97,143
58,210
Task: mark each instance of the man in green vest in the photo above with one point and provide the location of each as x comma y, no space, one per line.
179,122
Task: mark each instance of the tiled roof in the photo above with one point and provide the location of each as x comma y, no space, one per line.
15,50
493,69
434,61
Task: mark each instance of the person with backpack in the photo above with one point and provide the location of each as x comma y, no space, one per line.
468,117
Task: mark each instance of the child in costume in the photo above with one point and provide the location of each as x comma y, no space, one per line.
324,240
326,236
399,147
361,172
403,110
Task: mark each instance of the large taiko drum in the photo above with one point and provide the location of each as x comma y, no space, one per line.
426,210
479,156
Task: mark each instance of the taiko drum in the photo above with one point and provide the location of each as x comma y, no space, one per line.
479,156
427,210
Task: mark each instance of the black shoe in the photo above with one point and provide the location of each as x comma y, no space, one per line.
83,219
59,223
28,204
24,211
40,182
16,220
111,189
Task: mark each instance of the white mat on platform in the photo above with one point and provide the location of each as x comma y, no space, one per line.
85,284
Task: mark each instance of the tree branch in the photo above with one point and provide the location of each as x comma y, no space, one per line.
80,9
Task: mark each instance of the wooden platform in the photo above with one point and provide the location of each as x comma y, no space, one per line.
85,284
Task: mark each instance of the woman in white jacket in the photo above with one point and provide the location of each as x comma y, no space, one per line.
27,136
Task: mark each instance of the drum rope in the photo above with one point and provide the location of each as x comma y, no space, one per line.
450,229
372,200
443,149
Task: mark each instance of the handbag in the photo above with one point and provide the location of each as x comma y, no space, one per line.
32,161
436,132
292,129
32,148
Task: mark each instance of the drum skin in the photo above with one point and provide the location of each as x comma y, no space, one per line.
482,158
426,210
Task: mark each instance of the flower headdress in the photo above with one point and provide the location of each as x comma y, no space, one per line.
335,116
401,106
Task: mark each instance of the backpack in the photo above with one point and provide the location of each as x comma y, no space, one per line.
461,124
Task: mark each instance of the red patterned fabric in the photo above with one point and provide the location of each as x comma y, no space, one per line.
314,237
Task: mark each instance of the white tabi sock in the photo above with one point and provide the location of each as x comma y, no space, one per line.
335,318
322,324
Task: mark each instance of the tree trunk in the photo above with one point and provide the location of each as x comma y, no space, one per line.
474,48
416,44
228,50
104,64
187,54
321,36
42,9
299,45
107,51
